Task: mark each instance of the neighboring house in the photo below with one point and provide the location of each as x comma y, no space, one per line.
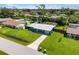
5,19
41,28
27,13
73,31
50,23
14,24
54,16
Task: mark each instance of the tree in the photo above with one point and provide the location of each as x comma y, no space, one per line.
41,12
63,21
6,12
74,19
41,9
67,11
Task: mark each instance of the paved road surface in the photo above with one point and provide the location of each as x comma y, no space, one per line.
13,48
36,43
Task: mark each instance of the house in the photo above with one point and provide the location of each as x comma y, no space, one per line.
54,16
14,24
5,19
73,31
50,23
41,28
27,13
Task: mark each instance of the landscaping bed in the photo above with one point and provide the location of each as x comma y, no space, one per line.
57,44
21,36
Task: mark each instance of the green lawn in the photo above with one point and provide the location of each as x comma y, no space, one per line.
26,35
59,27
57,44
30,21
3,53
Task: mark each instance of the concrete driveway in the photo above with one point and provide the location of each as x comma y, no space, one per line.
36,43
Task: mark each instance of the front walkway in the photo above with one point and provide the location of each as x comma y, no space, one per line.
14,48
36,43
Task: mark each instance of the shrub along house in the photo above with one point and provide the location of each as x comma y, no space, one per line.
41,28
73,31
14,24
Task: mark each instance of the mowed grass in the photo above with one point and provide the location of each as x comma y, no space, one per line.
57,44
3,53
23,34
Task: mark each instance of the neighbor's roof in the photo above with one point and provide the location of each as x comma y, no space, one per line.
73,30
5,19
11,23
42,26
73,25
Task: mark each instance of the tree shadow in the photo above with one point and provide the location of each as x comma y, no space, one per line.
15,38
61,31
